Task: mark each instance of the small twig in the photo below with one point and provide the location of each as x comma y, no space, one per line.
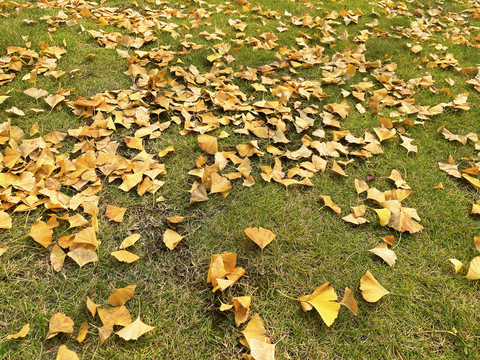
435,332
399,239
349,256
289,297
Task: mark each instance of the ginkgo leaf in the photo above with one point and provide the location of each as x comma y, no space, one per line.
114,316
91,306
134,330
336,168
241,309
372,291
5,220
457,264
476,241
120,296
474,269
54,100
260,350
385,253
402,222
59,323
225,307
3,250
36,93
125,256
41,233
208,144
175,219
87,236
171,239
199,194
262,237
57,257
220,184
329,203
65,354
77,221
82,332
361,186
115,213
254,331
83,256
21,334
129,241
324,300
130,180
383,216
349,301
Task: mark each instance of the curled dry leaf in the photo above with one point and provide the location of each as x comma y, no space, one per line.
21,334
241,309
171,238
349,301
457,264
59,323
260,236
120,296
474,269
134,330
372,291
385,253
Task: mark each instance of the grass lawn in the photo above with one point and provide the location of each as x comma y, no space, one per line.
241,71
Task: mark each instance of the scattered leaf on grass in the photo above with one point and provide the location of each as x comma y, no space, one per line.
260,236
120,296
21,334
324,300
125,256
59,323
134,330
349,301
171,239
129,241
372,291
82,332
115,213
385,253
65,354
457,264
474,269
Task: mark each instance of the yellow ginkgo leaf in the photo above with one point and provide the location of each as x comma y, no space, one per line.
82,332
171,238
57,257
225,307
336,168
261,350
324,300
87,236
372,291
457,264
361,186
83,256
199,194
125,256
166,151
385,253
175,219
383,216
220,184
77,221
241,309
65,354
120,296
59,322
115,213
134,330
349,301
21,334
129,241
91,306
262,237
131,180
253,331
474,269
41,233
5,220
329,203
208,144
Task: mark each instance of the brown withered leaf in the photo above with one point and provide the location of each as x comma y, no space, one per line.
260,236
372,291
59,323
120,296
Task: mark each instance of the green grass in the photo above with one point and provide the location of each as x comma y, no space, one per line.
431,313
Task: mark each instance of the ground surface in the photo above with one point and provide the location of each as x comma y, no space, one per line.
318,53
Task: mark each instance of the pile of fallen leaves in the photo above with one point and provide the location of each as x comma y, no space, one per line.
166,92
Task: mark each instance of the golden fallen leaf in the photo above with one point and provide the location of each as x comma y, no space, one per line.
91,306
166,151
476,241
125,256
402,222
372,291
129,241
260,350
3,250
439,186
5,220
457,264
134,330
77,221
175,219
115,213
241,309
349,301
171,238
21,334
383,216
120,296
41,233
474,269
329,203
82,332
87,237
208,144
324,300
361,186
59,323
83,256
199,194
57,257
255,340
262,237
65,354
385,253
